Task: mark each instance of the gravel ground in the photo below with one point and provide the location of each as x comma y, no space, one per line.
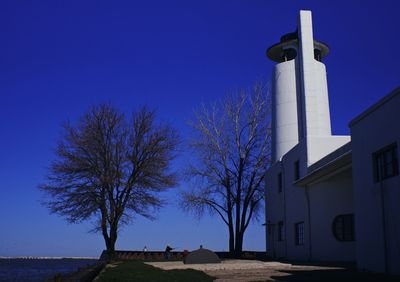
245,270
253,270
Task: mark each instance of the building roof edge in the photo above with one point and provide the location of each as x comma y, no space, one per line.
375,106
342,159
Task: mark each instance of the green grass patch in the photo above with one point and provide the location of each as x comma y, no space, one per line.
139,271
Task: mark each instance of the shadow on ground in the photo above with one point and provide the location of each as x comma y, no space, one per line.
333,275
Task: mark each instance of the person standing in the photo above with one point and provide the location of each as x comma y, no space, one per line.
167,253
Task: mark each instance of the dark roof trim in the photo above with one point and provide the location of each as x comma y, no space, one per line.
341,163
375,106
330,157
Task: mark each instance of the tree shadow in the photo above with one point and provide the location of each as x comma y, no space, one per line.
333,275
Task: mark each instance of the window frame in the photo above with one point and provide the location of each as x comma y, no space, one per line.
382,166
346,235
299,234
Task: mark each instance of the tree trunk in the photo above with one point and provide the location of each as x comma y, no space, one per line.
231,240
239,245
104,229
109,238
238,202
110,245
113,239
230,225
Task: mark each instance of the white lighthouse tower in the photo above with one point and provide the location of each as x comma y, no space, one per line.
304,189
300,92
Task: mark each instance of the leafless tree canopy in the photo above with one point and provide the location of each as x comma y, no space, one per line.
232,145
111,168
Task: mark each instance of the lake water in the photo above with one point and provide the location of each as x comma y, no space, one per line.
38,269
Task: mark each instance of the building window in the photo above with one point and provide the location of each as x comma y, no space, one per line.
385,163
279,182
281,234
343,227
318,55
296,170
299,233
289,54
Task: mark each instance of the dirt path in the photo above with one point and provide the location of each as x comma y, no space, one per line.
245,270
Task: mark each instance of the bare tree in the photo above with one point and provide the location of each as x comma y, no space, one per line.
232,146
110,168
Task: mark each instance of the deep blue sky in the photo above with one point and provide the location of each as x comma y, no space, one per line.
59,57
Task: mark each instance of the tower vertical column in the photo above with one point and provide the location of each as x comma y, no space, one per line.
315,117
300,105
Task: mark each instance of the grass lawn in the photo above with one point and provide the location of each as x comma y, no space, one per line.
138,271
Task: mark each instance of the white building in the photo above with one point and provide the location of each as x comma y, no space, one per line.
327,199
375,137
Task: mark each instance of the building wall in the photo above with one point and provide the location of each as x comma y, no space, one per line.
329,199
314,87
320,146
295,202
287,206
274,206
372,132
302,132
326,200
300,112
375,205
284,111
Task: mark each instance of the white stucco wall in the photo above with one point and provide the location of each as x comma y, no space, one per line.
284,110
329,199
300,95
315,102
274,212
301,132
288,206
295,202
374,130
375,205
320,146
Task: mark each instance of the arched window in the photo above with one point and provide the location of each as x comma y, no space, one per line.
343,227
